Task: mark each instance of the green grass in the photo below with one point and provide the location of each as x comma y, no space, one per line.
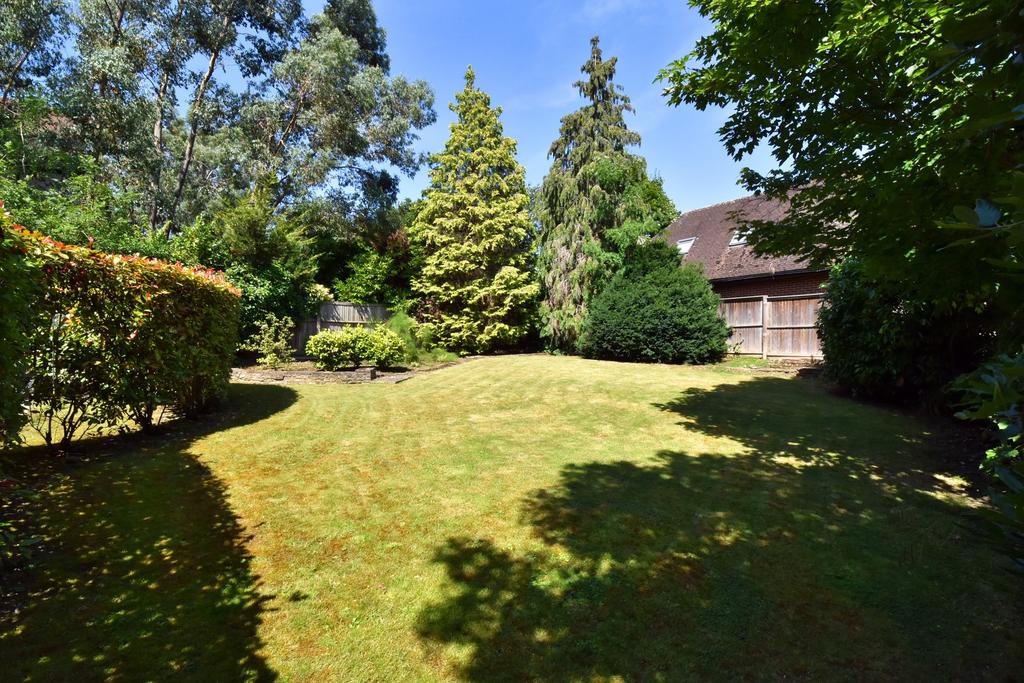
745,362
515,518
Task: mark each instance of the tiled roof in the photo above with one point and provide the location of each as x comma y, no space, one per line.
714,225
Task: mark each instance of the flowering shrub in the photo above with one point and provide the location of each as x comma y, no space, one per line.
357,345
118,337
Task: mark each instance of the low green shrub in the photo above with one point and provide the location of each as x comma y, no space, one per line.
272,341
334,350
881,342
355,346
654,311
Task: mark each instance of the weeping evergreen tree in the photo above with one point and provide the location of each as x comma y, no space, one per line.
595,202
474,228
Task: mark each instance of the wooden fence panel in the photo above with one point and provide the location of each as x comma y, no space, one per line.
793,343
784,326
792,326
744,317
303,331
338,315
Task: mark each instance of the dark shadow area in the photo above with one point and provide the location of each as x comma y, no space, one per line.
142,572
827,550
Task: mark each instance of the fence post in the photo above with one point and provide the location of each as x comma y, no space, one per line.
764,327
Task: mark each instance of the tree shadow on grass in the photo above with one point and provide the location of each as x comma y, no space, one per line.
143,573
826,550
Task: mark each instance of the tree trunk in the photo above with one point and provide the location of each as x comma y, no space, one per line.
193,131
158,125
14,73
158,148
115,39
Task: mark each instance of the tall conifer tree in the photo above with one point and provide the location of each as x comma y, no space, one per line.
475,231
595,201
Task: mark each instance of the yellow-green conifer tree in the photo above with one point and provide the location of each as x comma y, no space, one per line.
474,228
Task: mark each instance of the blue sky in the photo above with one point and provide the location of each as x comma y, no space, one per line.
527,55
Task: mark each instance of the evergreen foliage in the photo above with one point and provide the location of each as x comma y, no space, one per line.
882,341
595,203
474,229
654,311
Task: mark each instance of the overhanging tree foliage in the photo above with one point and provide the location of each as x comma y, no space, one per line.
474,228
595,202
899,121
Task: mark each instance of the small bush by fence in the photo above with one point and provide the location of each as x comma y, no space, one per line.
111,338
356,346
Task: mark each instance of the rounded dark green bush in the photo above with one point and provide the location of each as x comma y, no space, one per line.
655,311
880,342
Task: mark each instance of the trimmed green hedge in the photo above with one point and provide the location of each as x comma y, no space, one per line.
655,311
356,346
112,338
19,284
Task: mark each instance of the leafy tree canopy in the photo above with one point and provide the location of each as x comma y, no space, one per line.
136,87
899,122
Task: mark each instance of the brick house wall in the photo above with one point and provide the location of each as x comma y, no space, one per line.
778,285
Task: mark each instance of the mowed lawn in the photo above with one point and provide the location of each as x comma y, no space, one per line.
515,518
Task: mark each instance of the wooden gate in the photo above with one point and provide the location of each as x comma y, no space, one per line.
774,326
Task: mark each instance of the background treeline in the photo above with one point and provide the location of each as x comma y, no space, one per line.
244,136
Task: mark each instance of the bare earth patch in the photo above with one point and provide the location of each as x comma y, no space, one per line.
305,372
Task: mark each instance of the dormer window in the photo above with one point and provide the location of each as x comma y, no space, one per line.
684,245
738,237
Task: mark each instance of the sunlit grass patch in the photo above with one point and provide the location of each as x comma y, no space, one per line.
515,518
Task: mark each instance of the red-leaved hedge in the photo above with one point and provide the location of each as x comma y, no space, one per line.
115,337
